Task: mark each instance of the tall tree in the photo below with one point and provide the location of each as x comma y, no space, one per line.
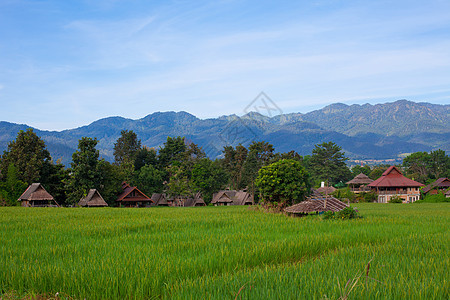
179,183
126,147
284,181
149,179
233,161
13,187
328,163
173,151
208,177
145,156
417,165
440,164
85,173
28,154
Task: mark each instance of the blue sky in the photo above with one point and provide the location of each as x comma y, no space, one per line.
65,64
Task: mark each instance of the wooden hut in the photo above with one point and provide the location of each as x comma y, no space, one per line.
232,197
359,183
159,199
392,183
36,196
93,199
440,185
133,197
447,194
316,203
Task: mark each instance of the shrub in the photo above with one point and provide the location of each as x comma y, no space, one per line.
396,199
328,215
369,197
345,214
438,198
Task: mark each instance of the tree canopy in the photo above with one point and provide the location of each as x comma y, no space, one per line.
283,181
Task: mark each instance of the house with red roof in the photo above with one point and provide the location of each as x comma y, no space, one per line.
392,183
133,197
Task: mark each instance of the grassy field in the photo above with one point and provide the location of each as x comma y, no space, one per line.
225,253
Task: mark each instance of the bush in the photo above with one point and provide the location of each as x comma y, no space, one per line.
396,199
344,194
345,214
438,198
369,197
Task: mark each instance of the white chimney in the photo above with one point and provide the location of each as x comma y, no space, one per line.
322,184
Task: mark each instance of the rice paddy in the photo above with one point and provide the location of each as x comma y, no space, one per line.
393,252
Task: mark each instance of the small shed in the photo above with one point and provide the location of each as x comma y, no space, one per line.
447,194
93,199
316,203
359,183
36,196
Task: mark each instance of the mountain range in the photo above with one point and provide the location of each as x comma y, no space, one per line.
381,131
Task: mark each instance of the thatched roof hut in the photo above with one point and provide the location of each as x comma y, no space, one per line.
326,190
93,199
359,183
36,196
159,199
360,179
316,203
232,197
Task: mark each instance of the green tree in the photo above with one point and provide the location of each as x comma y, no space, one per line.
149,179
327,163
439,164
356,170
208,177
110,181
126,147
284,181
377,171
145,156
417,165
13,187
28,154
233,163
85,173
173,151
179,183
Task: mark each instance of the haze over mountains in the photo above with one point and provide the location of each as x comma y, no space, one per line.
380,131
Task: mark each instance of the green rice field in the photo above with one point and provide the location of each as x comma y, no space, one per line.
396,251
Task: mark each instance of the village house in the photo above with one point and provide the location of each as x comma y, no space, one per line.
440,185
93,199
36,196
359,183
232,197
392,183
159,199
132,197
178,201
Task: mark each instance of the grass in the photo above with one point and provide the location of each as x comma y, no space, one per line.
224,253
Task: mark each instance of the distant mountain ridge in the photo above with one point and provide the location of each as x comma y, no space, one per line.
363,131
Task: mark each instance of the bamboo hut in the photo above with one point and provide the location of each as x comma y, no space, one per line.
36,196
93,199
159,199
133,197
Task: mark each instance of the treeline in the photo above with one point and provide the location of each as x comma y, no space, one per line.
178,168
